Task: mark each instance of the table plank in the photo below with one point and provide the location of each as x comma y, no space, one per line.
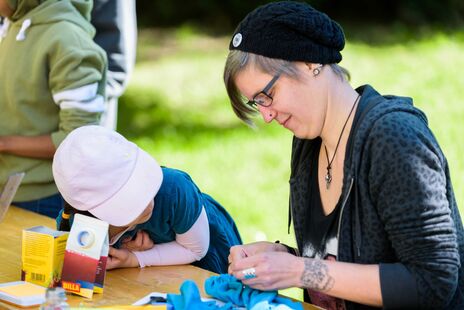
122,286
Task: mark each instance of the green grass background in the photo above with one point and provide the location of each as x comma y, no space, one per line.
177,109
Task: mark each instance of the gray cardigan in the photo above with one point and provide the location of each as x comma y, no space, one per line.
397,205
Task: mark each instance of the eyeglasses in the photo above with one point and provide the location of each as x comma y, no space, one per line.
263,98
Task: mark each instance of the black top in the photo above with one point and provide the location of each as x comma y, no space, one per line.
321,229
397,206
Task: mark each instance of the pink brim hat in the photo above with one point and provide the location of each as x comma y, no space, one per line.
98,170
133,198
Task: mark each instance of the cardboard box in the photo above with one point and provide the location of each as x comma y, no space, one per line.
85,257
42,255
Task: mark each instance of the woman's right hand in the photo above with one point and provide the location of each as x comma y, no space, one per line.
238,252
142,242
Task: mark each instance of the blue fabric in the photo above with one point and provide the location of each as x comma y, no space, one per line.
178,205
189,298
49,206
229,289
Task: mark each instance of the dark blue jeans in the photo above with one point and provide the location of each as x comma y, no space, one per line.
48,206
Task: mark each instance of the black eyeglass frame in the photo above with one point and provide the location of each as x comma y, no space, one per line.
254,104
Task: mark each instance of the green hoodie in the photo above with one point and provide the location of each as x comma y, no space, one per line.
52,80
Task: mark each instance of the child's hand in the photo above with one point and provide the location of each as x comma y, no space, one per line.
142,242
120,258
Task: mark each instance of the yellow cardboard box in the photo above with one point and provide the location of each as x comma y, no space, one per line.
42,255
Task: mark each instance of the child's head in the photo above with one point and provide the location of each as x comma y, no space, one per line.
7,7
99,171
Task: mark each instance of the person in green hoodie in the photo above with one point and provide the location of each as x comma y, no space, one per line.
53,81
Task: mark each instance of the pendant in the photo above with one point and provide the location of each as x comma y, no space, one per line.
328,179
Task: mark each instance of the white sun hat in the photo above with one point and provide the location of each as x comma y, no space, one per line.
98,170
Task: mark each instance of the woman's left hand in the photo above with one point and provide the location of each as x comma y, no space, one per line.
271,270
120,258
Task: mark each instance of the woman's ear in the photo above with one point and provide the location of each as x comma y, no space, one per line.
312,66
315,69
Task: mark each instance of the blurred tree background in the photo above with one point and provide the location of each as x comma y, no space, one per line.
223,15
177,109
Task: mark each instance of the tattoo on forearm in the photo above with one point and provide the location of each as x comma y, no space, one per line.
316,275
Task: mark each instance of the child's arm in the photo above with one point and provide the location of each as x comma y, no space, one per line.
189,247
28,146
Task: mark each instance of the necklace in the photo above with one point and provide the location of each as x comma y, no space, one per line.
328,176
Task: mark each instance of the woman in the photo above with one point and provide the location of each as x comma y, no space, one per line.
375,217
157,216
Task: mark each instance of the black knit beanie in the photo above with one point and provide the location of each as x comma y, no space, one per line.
292,31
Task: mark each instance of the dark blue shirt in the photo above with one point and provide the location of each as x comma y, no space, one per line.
177,206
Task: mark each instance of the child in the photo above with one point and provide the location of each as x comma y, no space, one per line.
52,80
100,172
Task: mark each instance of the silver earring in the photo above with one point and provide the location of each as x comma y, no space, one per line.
316,71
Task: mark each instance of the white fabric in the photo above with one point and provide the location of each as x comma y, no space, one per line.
21,36
109,117
129,30
4,28
117,81
82,98
189,247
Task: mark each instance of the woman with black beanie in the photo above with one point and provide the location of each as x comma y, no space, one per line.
374,213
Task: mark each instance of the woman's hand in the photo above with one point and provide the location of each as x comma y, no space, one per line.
142,242
120,258
269,270
237,252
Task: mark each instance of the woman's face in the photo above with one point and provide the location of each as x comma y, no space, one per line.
297,105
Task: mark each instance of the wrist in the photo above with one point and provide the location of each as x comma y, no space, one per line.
299,271
316,275
134,260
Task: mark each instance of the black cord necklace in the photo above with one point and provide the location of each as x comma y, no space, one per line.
328,176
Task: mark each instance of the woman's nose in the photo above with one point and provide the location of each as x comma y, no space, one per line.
267,113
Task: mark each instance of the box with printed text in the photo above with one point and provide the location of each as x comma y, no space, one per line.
85,256
42,255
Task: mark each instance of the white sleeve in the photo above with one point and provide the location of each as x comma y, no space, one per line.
189,247
83,98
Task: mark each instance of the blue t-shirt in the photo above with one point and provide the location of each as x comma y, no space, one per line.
177,206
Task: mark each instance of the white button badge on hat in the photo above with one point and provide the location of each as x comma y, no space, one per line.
249,273
237,39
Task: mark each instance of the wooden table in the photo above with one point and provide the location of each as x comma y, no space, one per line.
122,286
